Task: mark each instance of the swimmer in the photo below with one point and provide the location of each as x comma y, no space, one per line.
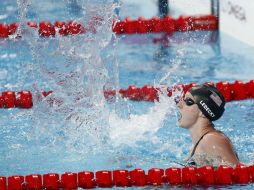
200,106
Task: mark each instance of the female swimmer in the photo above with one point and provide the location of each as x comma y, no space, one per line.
200,106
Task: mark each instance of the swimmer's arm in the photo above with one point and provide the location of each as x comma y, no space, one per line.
221,147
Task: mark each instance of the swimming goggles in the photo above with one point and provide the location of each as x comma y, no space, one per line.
189,101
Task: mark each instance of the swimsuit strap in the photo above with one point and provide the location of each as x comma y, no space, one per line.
195,147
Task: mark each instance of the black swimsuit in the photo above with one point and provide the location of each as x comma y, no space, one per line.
190,161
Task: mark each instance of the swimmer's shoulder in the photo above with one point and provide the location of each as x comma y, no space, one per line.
215,139
217,144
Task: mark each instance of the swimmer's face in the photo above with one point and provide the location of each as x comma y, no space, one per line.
189,111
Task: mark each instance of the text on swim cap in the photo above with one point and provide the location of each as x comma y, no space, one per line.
209,111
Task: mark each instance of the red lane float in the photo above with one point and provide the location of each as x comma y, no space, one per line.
60,26
173,176
126,26
23,100
4,30
155,176
104,179
190,23
73,28
121,178
241,174
141,26
46,29
235,91
188,176
3,184
33,181
231,91
86,180
51,181
138,177
223,175
69,180
9,99
251,170
206,176
16,182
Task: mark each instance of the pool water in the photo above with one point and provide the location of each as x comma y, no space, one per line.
82,131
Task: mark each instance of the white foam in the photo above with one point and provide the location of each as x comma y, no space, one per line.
140,127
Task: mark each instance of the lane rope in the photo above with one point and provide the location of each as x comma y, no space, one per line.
126,26
234,91
187,176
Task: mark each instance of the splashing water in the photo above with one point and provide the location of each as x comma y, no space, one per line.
75,122
143,126
137,138
75,114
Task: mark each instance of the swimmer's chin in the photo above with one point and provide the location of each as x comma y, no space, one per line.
178,123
